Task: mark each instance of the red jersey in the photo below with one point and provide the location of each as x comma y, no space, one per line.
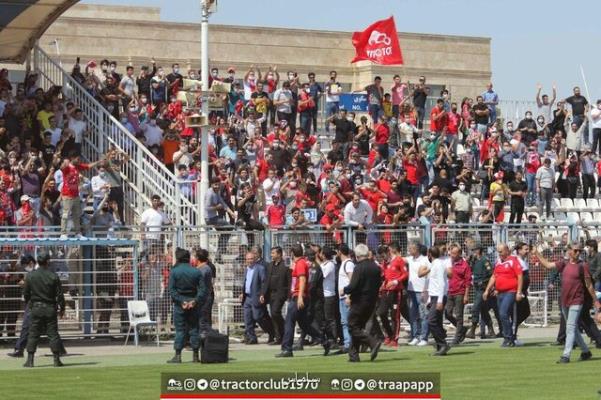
382,133
384,185
373,198
440,123
461,278
299,268
506,274
276,215
411,170
396,270
453,120
71,172
263,168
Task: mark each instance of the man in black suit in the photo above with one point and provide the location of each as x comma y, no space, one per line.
363,289
253,299
278,285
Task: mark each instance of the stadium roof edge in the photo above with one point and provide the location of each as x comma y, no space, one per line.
22,22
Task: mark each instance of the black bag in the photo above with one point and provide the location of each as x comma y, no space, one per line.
215,348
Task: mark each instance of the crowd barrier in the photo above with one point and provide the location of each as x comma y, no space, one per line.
100,274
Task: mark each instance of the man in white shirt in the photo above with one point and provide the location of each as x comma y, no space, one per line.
330,304
271,187
438,287
55,131
522,308
282,100
153,133
544,105
79,126
344,278
358,213
100,187
333,90
151,221
418,294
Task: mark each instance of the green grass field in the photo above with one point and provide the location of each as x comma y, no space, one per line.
472,371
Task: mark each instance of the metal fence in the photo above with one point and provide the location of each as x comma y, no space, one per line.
102,273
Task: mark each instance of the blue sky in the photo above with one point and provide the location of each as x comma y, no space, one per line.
532,40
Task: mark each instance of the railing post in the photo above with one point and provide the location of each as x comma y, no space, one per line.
267,244
101,134
177,213
88,301
139,178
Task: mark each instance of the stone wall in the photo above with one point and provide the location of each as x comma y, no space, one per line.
135,34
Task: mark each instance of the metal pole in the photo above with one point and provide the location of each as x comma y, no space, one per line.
204,141
58,53
590,130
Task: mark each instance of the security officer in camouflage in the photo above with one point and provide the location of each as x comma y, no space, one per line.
44,295
188,292
481,272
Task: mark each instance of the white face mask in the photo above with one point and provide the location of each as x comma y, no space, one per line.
308,90
462,187
214,74
144,100
290,77
113,68
176,70
132,109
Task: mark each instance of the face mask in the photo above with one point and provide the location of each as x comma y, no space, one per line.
270,77
144,100
173,100
132,109
214,74
290,77
161,73
232,74
176,70
350,119
113,68
123,120
192,76
308,90
462,187
528,116
104,68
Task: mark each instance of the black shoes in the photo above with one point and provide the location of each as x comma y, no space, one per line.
375,349
177,359
563,360
57,361
442,350
298,347
585,356
326,347
462,334
195,357
507,343
29,362
16,354
284,354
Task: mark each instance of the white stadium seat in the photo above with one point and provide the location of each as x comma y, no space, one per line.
567,203
592,204
586,217
557,204
580,204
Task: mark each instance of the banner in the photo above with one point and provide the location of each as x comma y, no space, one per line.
379,43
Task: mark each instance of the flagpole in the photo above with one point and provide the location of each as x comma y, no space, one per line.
588,95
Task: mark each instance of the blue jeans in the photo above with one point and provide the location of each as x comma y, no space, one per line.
572,315
344,309
331,109
418,314
375,111
506,302
305,122
531,182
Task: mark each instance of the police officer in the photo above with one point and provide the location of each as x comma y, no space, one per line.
188,292
481,273
44,295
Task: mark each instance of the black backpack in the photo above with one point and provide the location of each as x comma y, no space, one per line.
215,348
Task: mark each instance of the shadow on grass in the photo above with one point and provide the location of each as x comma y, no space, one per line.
536,344
459,353
66,355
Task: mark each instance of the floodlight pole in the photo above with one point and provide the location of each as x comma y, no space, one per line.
204,138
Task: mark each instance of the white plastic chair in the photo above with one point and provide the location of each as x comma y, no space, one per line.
567,203
557,204
580,204
139,315
597,216
586,217
560,216
592,204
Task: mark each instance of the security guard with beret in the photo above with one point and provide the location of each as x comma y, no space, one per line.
188,291
44,295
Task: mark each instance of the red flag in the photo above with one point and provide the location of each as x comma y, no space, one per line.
379,43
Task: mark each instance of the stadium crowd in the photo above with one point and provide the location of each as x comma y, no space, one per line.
388,167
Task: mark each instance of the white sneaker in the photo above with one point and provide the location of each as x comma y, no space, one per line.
81,237
63,237
422,343
413,342
518,343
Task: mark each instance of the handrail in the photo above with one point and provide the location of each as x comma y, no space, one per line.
145,175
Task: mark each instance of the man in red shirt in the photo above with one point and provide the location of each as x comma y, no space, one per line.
395,275
454,123
577,294
70,201
438,118
507,281
381,134
332,220
459,289
373,195
276,213
296,312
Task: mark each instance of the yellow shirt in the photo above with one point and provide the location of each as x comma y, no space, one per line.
387,106
499,191
43,117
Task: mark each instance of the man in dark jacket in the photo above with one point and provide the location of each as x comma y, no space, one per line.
253,298
278,286
208,271
363,289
